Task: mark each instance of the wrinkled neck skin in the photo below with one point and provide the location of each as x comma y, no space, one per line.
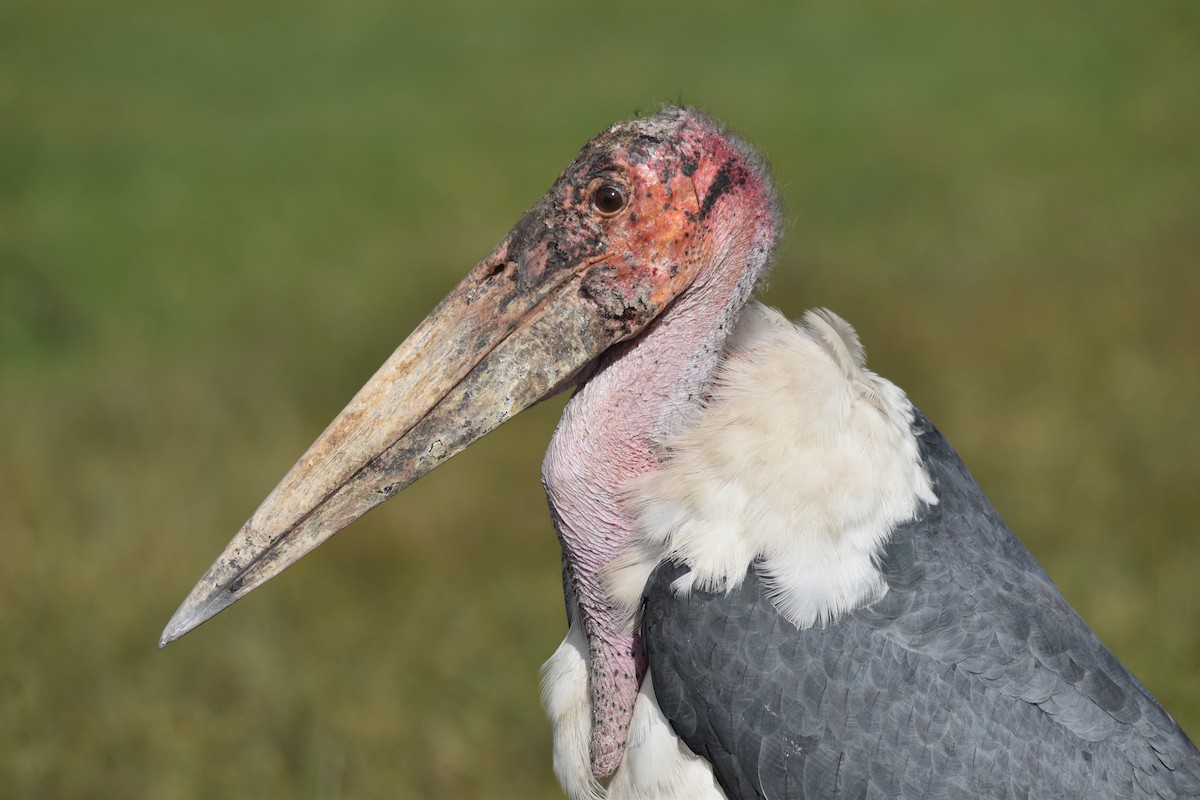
608,436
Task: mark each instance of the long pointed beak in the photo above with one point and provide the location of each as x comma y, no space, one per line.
515,331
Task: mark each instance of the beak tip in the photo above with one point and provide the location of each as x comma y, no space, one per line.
192,614
175,628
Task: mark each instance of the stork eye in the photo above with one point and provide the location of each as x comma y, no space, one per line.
608,199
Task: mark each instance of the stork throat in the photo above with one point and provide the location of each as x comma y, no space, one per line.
583,474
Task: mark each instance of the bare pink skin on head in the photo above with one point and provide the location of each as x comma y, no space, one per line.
700,221
623,279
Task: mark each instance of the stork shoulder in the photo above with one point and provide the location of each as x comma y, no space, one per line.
801,461
971,677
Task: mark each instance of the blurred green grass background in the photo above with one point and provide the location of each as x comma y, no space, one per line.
217,218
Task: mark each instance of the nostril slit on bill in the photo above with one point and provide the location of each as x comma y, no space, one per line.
497,268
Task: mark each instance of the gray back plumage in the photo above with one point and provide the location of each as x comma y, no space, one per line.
971,677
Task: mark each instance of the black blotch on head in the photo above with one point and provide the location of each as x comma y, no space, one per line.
729,175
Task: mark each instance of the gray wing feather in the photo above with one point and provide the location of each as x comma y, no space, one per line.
971,677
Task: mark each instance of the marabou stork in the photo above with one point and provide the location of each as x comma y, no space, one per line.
781,581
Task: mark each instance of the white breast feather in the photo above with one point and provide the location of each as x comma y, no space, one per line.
656,766
801,463
568,704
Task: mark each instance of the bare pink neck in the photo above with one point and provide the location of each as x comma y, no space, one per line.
608,435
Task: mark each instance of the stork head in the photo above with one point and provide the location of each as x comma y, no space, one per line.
634,222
